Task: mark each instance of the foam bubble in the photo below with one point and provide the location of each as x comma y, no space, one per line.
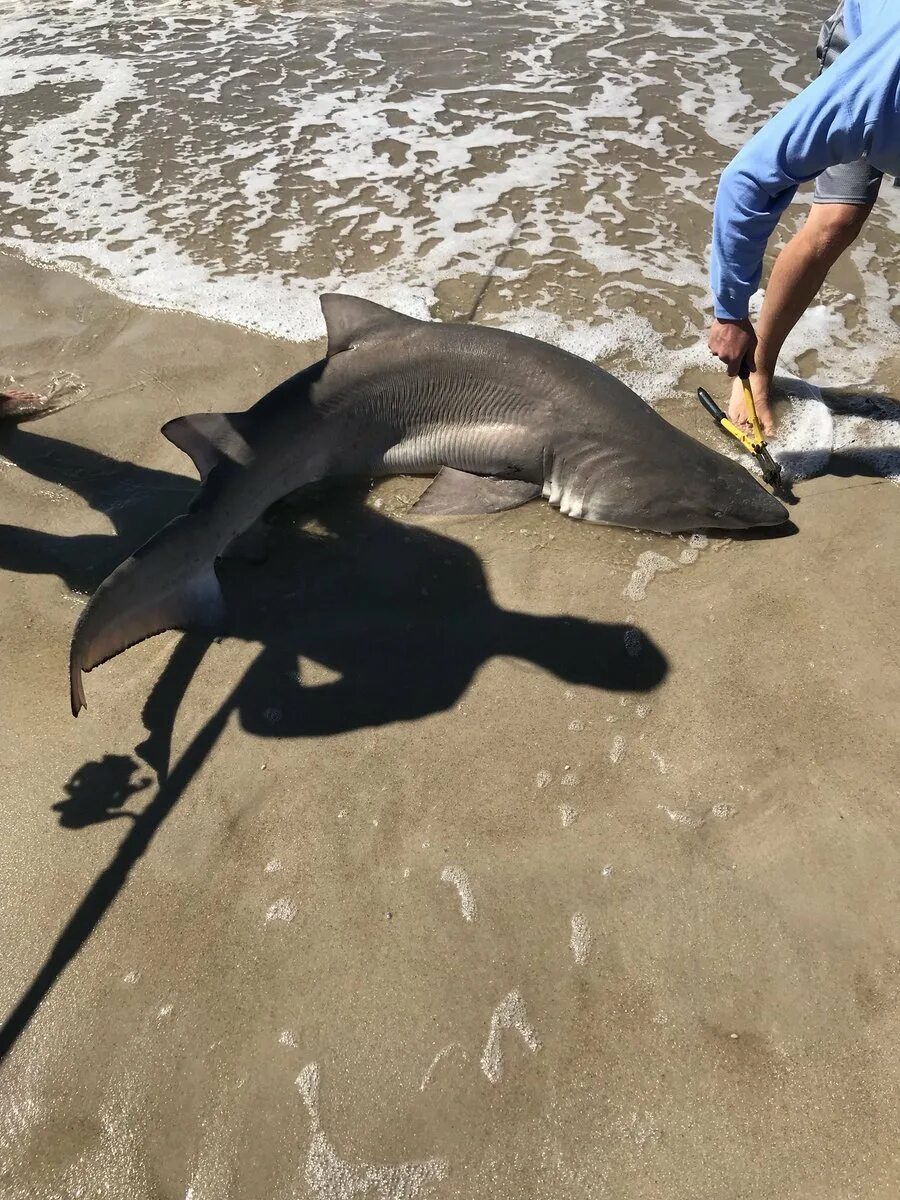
460,880
514,165
282,909
509,1014
326,1176
581,939
649,565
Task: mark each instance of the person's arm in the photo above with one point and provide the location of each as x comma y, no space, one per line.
850,110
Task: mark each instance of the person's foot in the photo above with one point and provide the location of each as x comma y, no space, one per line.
17,403
760,384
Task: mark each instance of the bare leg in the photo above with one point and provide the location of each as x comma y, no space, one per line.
797,275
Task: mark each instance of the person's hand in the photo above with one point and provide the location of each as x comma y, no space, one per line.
734,342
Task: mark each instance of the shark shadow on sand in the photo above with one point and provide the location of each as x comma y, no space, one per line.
401,615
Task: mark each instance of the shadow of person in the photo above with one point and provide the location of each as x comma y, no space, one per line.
403,618
138,501
98,791
401,614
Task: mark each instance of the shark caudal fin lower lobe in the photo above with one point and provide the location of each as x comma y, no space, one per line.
138,600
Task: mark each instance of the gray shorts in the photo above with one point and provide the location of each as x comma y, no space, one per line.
847,183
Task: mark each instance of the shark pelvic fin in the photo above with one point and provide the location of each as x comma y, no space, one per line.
457,493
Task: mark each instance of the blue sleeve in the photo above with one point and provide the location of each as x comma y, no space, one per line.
850,110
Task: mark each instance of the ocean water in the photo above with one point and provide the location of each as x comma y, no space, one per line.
545,164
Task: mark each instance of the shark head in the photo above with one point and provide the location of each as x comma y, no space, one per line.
722,496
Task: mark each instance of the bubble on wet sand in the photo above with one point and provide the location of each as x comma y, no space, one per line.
575,726
509,1014
283,909
438,1058
679,817
567,816
460,880
649,565
634,642
569,779
286,1038
695,543
617,749
542,779
723,810
326,1176
273,865
581,938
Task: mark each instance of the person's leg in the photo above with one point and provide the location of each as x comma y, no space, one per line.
844,197
797,275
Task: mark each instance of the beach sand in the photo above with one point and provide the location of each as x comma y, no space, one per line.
487,858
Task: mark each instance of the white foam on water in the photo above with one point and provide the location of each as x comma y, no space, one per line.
581,939
816,428
326,1176
459,879
509,1014
251,157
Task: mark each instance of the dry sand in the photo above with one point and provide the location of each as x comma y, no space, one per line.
451,890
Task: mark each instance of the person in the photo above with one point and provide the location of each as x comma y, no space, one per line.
844,131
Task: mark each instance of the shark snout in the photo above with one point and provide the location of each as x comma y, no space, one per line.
749,507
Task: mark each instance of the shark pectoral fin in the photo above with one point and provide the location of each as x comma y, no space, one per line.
194,603
207,439
457,493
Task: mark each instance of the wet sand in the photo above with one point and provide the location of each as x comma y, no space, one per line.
476,863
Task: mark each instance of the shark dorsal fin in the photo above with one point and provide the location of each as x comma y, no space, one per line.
351,321
207,438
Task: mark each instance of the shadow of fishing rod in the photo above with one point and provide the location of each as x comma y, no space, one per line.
112,879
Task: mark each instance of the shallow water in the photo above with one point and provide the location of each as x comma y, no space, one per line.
550,165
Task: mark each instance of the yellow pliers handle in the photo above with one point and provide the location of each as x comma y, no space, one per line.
755,444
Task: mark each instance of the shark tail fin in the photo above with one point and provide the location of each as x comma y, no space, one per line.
131,605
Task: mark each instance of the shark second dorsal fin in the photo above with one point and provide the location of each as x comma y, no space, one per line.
207,438
350,321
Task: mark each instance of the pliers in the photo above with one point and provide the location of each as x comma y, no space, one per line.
755,444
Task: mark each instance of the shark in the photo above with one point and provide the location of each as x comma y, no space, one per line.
497,418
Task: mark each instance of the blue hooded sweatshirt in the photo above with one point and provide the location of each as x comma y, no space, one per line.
851,110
